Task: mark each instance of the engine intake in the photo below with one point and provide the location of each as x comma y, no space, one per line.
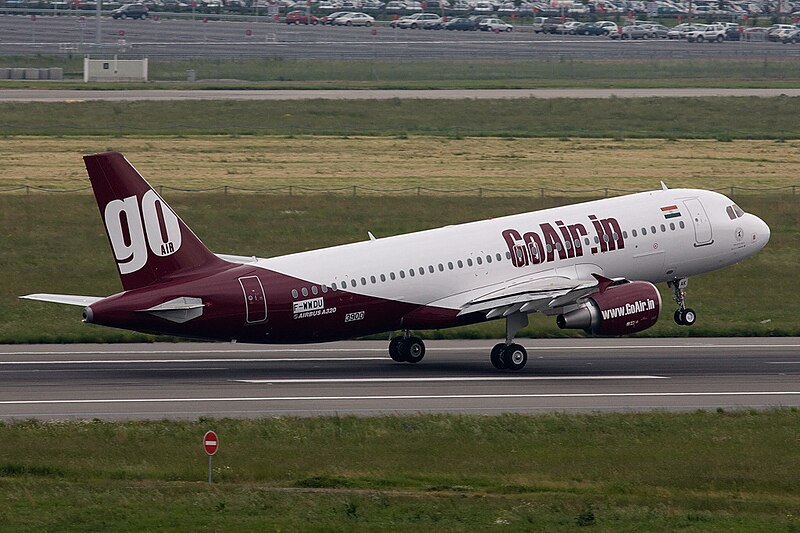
617,310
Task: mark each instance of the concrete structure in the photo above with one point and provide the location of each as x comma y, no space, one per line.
114,69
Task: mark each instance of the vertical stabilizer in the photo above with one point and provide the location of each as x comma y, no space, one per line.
151,244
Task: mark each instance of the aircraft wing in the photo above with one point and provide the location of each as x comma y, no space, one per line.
537,295
68,299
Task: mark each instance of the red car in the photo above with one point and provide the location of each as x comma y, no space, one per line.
300,17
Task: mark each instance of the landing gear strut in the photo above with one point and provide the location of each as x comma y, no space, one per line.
684,316
508,355
406,348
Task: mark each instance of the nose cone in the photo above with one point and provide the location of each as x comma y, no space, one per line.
759,232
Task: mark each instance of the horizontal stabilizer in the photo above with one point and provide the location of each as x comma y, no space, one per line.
68,299
243,259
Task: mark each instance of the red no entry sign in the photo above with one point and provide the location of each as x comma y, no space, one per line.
210,443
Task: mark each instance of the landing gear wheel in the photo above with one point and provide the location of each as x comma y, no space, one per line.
678,319
514,357
496,356
412,349
688,316
395,349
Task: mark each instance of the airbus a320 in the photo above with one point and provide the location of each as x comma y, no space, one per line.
591,265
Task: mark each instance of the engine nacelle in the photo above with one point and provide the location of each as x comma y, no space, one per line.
617,310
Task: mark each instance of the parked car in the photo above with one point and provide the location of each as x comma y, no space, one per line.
792,37
414,21
331,19
301,17
680,31
634,31
657,31
494,24
778,31
551,24
603,27
133,11
462,24
569,28
710,33
354,19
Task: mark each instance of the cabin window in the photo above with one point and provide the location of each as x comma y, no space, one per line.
577,243
508,256
568,245
353,283
294,293
672,226
615,236
586,240
324,289
383,277
644,231
469,262
304,291
558,246
372,279
633,232
411,272
391,276
403,274
681,224
314,290
663,228
653,229
499,257
450,265
421,271
488,258
334,287
460,264
479,260
441,267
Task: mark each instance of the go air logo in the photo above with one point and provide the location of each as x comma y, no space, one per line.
131,230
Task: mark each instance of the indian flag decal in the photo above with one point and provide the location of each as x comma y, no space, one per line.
670,211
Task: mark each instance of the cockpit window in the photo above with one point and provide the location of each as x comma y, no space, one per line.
738,210
734,211
731,214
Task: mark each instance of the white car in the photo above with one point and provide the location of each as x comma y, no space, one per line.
709,33
493,24
354,19
415,21
568,27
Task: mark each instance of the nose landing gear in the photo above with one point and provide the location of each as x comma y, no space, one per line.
684,316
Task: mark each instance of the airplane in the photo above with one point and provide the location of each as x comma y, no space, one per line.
592,265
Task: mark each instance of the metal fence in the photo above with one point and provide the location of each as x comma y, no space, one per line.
360,190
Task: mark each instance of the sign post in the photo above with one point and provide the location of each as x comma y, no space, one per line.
210,445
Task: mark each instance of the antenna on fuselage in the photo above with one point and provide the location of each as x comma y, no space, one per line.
664,186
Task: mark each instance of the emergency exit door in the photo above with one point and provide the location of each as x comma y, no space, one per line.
254,301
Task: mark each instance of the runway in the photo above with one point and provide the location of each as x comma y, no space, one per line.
192,380
67,95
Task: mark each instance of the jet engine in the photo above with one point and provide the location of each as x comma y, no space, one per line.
616,310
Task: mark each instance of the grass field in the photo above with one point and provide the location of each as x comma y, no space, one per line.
723,119
650,472
361,74
391,163
56,243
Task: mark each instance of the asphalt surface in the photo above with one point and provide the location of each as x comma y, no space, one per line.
187,38
187,381
44,95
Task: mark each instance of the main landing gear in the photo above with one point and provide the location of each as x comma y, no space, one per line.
407,349
684,316
508,355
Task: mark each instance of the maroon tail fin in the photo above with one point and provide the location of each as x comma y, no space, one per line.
150,243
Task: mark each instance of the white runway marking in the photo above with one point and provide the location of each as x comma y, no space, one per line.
401,397
449,379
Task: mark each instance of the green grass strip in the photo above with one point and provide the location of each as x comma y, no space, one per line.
701,471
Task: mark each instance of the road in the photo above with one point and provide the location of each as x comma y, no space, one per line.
66,95
20,35
187,381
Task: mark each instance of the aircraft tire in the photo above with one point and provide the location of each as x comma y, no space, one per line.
413,350
514,357
678,317
689,317
496,356
395,349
